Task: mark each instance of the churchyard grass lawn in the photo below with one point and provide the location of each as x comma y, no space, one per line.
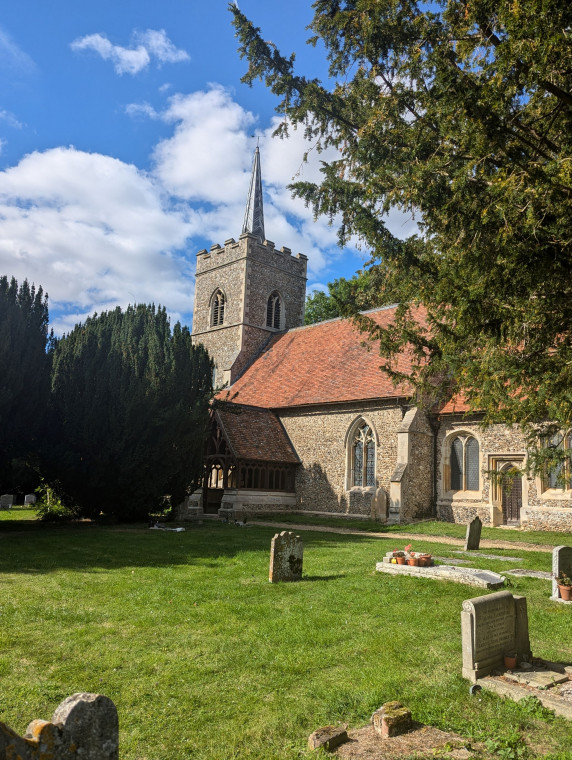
18,514
207,660
426,528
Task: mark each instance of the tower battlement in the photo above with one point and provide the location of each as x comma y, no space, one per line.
249,246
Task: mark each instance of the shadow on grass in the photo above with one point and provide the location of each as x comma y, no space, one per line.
323,577
88,547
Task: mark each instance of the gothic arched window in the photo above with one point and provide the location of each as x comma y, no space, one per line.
217,309
464,464
274,311
559,472
363,456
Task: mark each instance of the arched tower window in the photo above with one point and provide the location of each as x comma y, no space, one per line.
274,311
464,463
217,309
362,456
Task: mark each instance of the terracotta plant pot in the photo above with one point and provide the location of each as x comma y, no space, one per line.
425,560
510,661
565,593
400,560
413,561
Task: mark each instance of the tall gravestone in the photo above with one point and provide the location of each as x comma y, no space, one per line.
473,537
29,498
286,555
561,563
6,501
492,626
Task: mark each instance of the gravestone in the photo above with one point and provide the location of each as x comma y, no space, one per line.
379,505
6,501
561,563
29,498
286,554
83,726
492,626
473,537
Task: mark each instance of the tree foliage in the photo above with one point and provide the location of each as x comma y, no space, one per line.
459,112
24,372
343,297
130,402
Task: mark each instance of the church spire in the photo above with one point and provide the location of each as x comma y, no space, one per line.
254,214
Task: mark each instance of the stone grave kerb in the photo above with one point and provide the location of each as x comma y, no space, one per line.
286,557
473,536
492,626
561,563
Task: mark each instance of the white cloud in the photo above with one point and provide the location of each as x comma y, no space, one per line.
141,109
10,119
12,56
94,232
146,45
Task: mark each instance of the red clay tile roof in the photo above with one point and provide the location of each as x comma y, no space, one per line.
457,404
254,433
320,364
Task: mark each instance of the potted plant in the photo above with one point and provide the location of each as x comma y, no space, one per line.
564,586
412,558
510,660
399,556
425,560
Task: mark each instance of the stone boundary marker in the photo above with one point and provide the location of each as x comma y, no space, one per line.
83,726
473,537
286,557
492,626
561,563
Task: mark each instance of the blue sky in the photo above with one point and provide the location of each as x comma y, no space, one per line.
126,142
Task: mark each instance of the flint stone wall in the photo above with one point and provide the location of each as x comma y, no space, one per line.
541,510
320,438
83,726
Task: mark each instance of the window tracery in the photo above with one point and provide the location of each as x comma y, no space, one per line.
217,309
274,311
464,464
363,456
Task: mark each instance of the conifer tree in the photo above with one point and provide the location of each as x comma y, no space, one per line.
24,371
459,113
130,402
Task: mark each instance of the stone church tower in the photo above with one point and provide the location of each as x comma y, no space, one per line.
246,291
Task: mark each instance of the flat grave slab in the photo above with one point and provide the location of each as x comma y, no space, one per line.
471,576
491,556
540,679
452,560
522,573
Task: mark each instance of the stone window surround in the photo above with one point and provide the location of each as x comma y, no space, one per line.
447,494
348,445
212,305
282,312
561,493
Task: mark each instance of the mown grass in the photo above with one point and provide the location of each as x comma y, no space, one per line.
18,514
205,659
425,528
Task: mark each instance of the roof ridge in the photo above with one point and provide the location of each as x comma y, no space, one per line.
339,319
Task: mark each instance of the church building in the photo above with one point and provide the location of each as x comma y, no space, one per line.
307,421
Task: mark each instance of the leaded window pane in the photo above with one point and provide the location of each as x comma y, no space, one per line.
457,465
358,463
370,464
472,464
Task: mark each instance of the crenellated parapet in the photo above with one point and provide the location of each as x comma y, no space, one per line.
249,246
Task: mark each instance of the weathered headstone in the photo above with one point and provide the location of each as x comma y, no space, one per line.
286,555
491,627
561,563
328,737
84,725
6,501
473,537
30,498
379,505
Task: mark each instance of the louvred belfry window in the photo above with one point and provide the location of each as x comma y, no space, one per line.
218,303
274,311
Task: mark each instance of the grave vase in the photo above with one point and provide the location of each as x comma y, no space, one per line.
400,560
510,661
565,593
413,561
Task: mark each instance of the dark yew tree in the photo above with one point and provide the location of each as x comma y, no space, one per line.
130,403
24,377
460,113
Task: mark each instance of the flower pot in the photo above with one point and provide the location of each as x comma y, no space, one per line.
565,593
425,560
510,661
413,561
400,560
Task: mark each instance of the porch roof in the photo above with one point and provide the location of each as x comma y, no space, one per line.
255,434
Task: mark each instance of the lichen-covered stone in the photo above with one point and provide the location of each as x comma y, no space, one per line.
327,737
392,719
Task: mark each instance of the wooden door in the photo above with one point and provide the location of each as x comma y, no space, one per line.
511,498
